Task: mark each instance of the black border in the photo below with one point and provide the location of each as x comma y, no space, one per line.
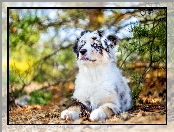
75,8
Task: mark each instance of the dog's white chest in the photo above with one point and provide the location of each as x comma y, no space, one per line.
94,88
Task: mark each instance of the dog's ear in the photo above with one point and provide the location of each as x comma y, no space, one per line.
100,32
75,48
113,39
84,32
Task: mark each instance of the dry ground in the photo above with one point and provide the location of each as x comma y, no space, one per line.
36,114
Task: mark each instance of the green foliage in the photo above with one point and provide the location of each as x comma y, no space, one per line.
77,13
18,93
24,32
40,97
135,86
147,46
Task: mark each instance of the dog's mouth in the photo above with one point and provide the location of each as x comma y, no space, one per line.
86,59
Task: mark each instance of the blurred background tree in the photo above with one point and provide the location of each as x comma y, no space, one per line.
41,40
144,52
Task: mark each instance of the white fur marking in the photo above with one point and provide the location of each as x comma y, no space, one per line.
69,115
98,114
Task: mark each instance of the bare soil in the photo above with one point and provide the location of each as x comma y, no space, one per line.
36,114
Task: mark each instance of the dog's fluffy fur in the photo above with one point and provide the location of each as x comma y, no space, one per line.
99,84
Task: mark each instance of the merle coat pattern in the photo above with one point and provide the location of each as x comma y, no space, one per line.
100,89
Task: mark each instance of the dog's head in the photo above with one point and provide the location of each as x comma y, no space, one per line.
95,47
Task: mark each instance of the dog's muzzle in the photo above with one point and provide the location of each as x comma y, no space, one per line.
83,51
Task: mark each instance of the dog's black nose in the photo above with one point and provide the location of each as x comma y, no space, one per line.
83,51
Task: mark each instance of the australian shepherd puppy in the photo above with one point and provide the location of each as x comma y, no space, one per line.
100,89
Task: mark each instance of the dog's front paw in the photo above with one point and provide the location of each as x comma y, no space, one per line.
69,115
97,115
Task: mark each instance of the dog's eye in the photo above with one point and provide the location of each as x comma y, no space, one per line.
94,38
94,45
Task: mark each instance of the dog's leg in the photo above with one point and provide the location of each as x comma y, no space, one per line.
105,111
72,113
